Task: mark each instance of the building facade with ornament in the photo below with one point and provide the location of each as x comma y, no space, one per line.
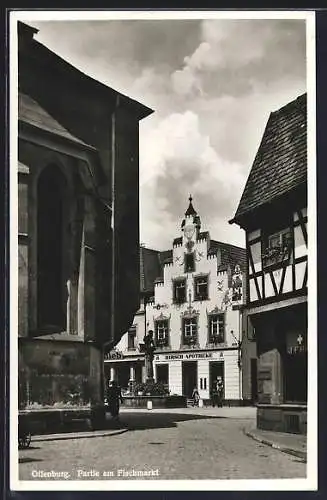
273,212
195,312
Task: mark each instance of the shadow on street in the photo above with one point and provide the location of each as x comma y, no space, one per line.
143,421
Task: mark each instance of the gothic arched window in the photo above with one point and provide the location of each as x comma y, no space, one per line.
51,290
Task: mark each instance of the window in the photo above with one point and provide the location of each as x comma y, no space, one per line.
216,328
51,289
190,329
201,288
131,339
179,291
189,263
277,247
161,328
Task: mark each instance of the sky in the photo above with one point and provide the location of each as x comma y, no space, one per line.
212,85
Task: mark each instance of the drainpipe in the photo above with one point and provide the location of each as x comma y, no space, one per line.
240,351
113,253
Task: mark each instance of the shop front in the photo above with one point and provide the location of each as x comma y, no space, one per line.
126,370
186,370
282,368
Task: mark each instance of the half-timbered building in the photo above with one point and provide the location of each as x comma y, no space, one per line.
273,212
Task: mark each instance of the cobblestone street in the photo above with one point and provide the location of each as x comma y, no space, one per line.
173,444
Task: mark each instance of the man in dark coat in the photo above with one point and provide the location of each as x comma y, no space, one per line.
114,398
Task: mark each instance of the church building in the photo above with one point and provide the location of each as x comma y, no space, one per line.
78,227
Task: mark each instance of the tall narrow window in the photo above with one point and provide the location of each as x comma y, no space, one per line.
216,328
131,339
190,330
51,290
201,288
161,328
189,263
179,291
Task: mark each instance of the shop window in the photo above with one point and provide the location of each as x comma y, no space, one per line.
189,263
51,289
201,288
190,331
179,293
277,248
131,339
161,332
216,328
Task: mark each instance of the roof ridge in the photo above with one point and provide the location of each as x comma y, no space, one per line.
228,244
295,102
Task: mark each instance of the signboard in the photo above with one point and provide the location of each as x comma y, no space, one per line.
114,355
188,356
295,343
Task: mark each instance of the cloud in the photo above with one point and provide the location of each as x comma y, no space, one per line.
235,56
178,160
212,85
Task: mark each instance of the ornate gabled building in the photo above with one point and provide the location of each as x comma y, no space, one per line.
273,212
78,224
195,313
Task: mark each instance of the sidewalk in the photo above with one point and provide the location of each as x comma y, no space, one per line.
293,444
78,435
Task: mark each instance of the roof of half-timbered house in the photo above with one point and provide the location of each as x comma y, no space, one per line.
280,164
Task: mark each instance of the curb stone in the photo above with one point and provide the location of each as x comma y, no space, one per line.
78,435
280,447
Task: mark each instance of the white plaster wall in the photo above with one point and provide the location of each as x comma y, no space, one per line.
175,377
232,375
300,248
203,372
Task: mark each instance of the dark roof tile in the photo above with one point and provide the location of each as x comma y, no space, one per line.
280,164
228,255
30,111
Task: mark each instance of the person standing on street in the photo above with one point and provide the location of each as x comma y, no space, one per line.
220,391
214,395
195,397
114,398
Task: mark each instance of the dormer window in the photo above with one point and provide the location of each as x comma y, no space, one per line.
131,339
189,261
179,291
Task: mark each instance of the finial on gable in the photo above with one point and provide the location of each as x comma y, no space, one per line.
190,210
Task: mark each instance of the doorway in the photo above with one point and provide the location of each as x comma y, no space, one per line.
123,374
162,373
295,378
254,381
216,369
138,373
189,377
